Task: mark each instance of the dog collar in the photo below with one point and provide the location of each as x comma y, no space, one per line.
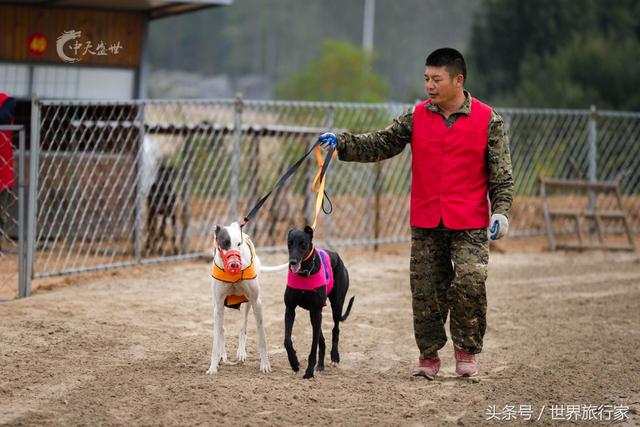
307,273
310,253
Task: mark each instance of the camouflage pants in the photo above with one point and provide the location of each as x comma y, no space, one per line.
448,274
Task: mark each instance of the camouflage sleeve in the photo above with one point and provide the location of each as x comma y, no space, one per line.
499,164
379,145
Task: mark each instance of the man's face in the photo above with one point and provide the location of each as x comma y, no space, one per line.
440,86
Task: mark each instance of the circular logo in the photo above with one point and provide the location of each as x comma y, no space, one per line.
37,44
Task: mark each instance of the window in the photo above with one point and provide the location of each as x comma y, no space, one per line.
72,81
14,79
67,81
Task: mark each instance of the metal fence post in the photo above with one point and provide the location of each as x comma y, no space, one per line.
593,165
235,158
377,185
186,192
369,204
74,185
34,153
24,283
593,149
137,235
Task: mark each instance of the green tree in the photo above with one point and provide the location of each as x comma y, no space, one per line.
588,70
514,40
341,73
276,38
183,42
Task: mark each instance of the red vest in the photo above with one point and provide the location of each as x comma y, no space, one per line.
449,169
6,153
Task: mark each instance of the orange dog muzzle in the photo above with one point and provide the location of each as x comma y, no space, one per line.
231,260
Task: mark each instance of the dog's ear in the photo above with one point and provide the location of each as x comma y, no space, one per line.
308,230
217,230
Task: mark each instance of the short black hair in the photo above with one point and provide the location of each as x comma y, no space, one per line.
449,58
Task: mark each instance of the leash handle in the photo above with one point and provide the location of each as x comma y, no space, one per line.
323,166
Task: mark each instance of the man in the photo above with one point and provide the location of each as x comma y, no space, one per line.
7,108
460,154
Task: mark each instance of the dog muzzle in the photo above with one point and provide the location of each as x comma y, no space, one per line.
232,261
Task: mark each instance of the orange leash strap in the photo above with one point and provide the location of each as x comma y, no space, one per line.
322,177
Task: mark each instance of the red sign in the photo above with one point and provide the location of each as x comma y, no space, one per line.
37,44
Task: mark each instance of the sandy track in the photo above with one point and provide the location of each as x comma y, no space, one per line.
133,347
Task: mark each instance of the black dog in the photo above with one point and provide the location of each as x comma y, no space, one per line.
305,262
162,205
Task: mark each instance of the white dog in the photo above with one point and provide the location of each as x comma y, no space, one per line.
235,274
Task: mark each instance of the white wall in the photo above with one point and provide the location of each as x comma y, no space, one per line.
14,79
67,81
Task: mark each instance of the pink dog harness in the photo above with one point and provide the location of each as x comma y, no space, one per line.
324,276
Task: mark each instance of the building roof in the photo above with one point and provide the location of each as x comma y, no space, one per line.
154,8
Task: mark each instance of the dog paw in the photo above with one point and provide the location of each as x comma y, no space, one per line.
335,357
320,367
241,355
265,368
212,370
308,375
224,357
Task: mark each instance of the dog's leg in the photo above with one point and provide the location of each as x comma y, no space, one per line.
289,319
316,323
337,298
218,327
222,349
335,333
217,352
242,340
265,366
321,349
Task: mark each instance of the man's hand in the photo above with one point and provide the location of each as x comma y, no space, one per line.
498,226
328,140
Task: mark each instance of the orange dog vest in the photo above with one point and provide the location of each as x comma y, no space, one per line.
234,301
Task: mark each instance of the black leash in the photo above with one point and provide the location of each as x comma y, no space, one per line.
284,179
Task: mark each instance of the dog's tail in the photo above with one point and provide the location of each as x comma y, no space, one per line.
269,268
344,316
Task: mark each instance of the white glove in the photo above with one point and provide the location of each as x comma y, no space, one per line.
498,227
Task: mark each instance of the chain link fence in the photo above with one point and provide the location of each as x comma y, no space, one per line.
571,144
139,182
142,182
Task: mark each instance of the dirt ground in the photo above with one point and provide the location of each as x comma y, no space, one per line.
132,347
